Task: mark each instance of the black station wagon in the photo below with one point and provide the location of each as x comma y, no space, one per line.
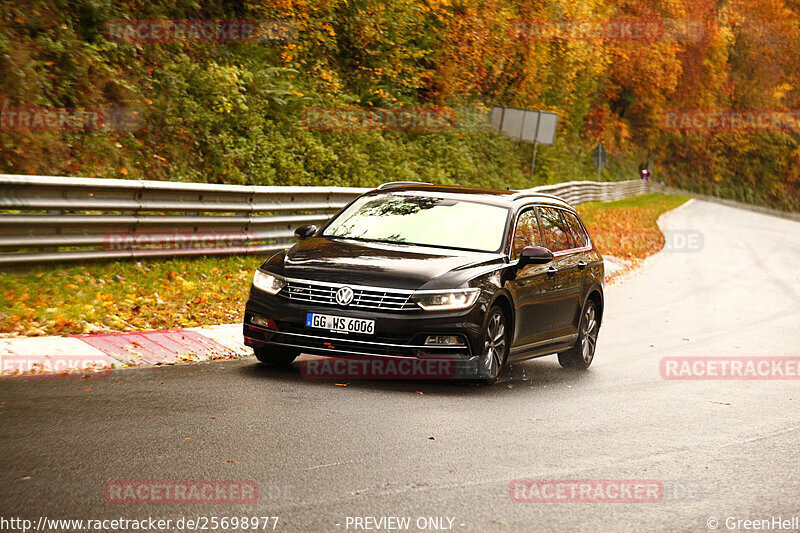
477,277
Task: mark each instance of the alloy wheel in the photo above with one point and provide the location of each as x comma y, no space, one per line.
589,333
494,347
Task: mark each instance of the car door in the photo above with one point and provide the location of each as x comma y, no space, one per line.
531,287
583,250
565,270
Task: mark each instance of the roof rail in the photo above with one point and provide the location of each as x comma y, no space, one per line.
531,194
391,184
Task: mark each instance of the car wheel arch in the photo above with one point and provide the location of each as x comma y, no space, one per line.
597,297
503,300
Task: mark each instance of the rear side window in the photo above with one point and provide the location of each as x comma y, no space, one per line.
555,230
527,233
577,232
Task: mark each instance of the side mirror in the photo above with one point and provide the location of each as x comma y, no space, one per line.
535,255
304,232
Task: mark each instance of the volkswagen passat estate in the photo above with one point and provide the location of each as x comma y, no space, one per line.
416,271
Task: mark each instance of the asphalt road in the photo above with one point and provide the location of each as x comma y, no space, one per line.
321,452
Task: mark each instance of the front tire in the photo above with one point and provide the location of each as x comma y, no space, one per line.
495,346
581,355
276,357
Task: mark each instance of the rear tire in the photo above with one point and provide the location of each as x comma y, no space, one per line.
276,357
581,355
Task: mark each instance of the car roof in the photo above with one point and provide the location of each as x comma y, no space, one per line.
505,198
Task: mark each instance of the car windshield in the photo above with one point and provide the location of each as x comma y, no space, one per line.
422,221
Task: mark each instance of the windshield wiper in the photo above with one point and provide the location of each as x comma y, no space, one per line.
362,239
419,244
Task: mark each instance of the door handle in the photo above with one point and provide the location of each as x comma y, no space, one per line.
552,271
582,265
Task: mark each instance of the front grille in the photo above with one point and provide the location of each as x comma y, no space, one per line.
363,298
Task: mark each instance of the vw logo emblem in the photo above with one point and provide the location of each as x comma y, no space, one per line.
344,296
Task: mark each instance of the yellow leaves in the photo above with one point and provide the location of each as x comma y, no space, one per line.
782,90
159,294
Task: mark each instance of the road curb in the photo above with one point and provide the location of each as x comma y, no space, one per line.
41,355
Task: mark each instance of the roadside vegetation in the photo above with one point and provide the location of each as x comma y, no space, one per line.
232,112
180,293
627,228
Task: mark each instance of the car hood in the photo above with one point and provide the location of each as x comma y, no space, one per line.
376,264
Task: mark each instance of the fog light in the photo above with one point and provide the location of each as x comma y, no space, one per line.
444,340
263,321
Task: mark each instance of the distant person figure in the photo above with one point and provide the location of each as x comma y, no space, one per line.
645,175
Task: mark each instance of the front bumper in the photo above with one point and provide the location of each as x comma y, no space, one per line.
399,335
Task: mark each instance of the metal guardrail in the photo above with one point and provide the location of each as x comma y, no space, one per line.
47,219
578,192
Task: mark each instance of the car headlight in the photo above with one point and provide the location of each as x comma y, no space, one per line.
446,300
268,282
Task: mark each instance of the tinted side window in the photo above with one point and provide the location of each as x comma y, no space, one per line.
527,233
555,230
579,236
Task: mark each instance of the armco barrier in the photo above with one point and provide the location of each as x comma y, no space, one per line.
47,218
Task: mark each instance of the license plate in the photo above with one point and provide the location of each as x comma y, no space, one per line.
340,324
